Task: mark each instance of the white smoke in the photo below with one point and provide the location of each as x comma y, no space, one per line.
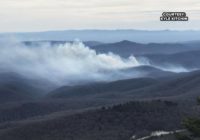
70,62
174,68
164,66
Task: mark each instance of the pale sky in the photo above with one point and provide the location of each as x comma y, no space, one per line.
42,15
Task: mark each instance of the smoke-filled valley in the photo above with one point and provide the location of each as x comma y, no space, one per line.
64,63
73,90
75,63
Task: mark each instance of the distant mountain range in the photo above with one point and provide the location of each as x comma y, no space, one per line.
188,60
141,36
126,48
161,55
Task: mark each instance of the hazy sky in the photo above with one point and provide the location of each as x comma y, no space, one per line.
40,15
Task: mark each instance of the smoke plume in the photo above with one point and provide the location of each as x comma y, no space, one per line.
70,62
